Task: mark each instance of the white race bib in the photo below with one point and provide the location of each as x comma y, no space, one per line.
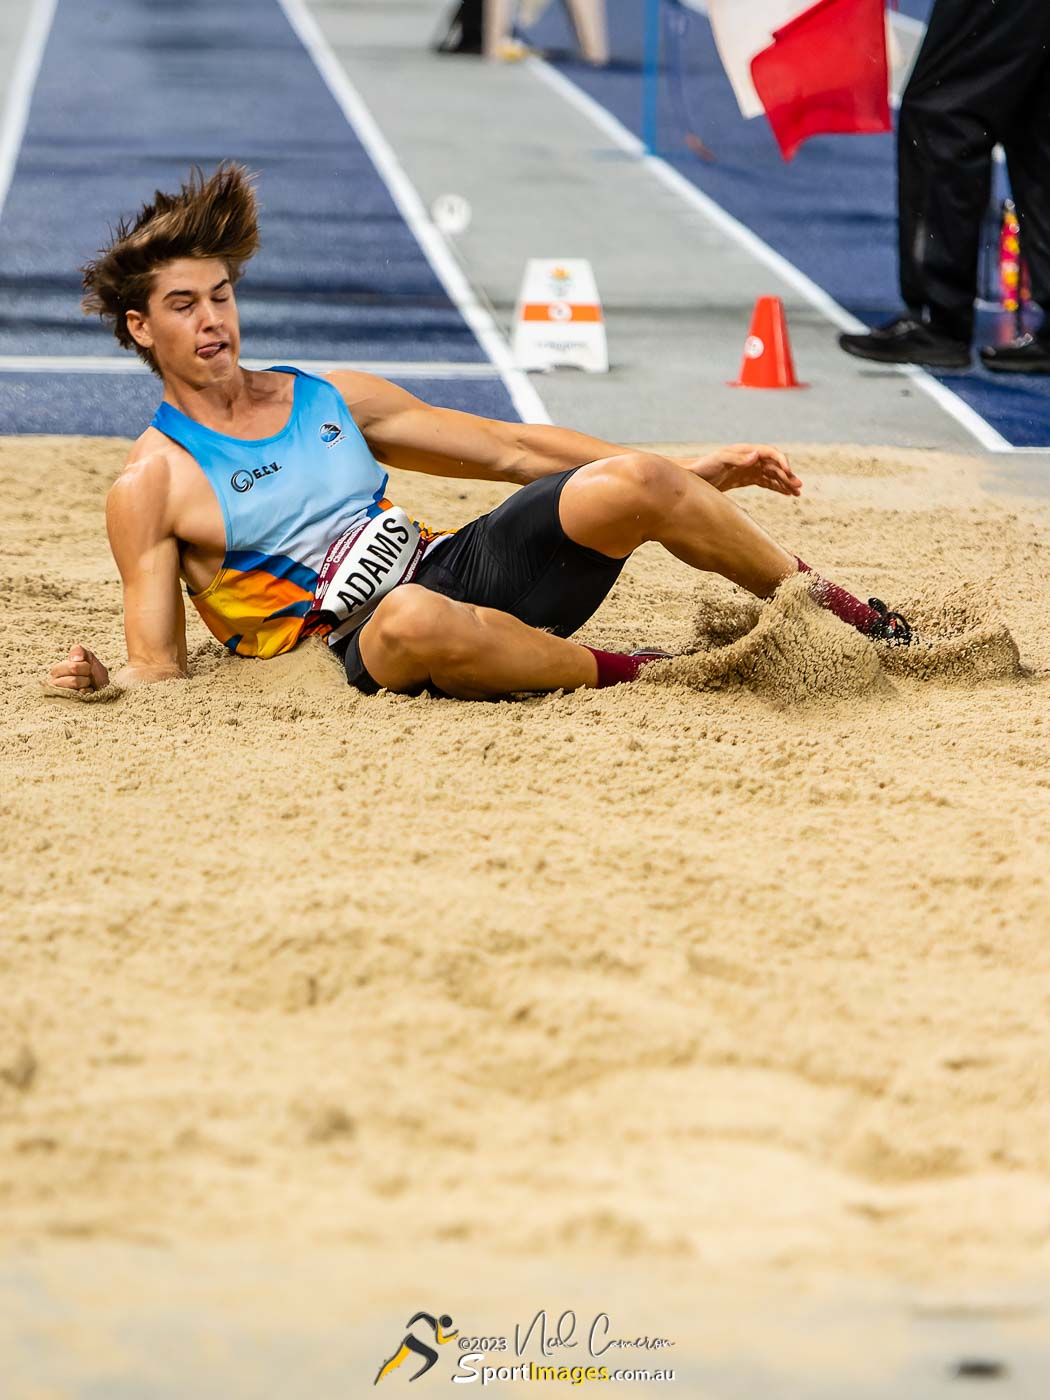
362,566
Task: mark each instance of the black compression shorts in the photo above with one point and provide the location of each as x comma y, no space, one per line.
517,559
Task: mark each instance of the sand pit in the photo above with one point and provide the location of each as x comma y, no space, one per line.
746,967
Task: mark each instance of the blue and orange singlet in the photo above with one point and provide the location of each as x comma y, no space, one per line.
284,500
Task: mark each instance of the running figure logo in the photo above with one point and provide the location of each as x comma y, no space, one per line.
413,1344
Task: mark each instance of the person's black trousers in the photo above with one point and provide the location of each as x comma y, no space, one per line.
982,76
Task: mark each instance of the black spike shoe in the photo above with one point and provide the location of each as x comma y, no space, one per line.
891,627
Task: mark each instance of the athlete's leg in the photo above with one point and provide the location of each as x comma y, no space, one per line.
416,637
618,503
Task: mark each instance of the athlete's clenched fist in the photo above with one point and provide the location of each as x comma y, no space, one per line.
82,670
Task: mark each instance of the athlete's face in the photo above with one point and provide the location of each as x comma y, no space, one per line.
191,322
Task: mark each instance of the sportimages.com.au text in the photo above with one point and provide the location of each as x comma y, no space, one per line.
470,1371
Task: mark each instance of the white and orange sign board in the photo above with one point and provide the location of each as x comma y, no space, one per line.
559,318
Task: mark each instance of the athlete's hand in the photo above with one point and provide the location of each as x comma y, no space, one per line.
746,464
82,670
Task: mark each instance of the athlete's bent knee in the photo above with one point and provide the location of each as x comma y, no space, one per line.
415,636
652,486
410,621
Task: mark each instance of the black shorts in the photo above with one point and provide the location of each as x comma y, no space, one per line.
517,559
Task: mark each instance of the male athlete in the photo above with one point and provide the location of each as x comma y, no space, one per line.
263,491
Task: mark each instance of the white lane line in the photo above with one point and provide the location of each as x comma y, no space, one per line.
960,410
386,369
20,93
523,395
598,115
807,289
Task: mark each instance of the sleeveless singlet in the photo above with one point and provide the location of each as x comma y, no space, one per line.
284,500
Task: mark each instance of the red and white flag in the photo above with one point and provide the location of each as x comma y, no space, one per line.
812,68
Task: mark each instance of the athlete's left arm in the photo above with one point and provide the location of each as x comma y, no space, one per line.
405,432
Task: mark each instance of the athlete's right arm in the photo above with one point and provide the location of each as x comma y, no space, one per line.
147,555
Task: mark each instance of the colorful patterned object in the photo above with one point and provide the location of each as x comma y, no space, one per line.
1013,273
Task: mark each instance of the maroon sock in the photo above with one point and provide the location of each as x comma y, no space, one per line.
842,604
614,667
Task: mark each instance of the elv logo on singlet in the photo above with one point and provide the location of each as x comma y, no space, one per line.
245,480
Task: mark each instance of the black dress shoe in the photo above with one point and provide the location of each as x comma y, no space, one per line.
908,342
1028,355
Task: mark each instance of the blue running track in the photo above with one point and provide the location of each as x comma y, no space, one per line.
131,93
831,212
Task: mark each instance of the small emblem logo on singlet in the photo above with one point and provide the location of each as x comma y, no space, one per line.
331,433
245,480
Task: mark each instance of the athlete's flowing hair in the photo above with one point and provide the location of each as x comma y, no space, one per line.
217,217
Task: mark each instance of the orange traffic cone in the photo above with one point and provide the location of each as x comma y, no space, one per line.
767,362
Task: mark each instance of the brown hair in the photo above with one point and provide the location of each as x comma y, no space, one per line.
216,217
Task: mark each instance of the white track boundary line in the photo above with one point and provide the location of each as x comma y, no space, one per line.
387,369
20,93
807,289
523,395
